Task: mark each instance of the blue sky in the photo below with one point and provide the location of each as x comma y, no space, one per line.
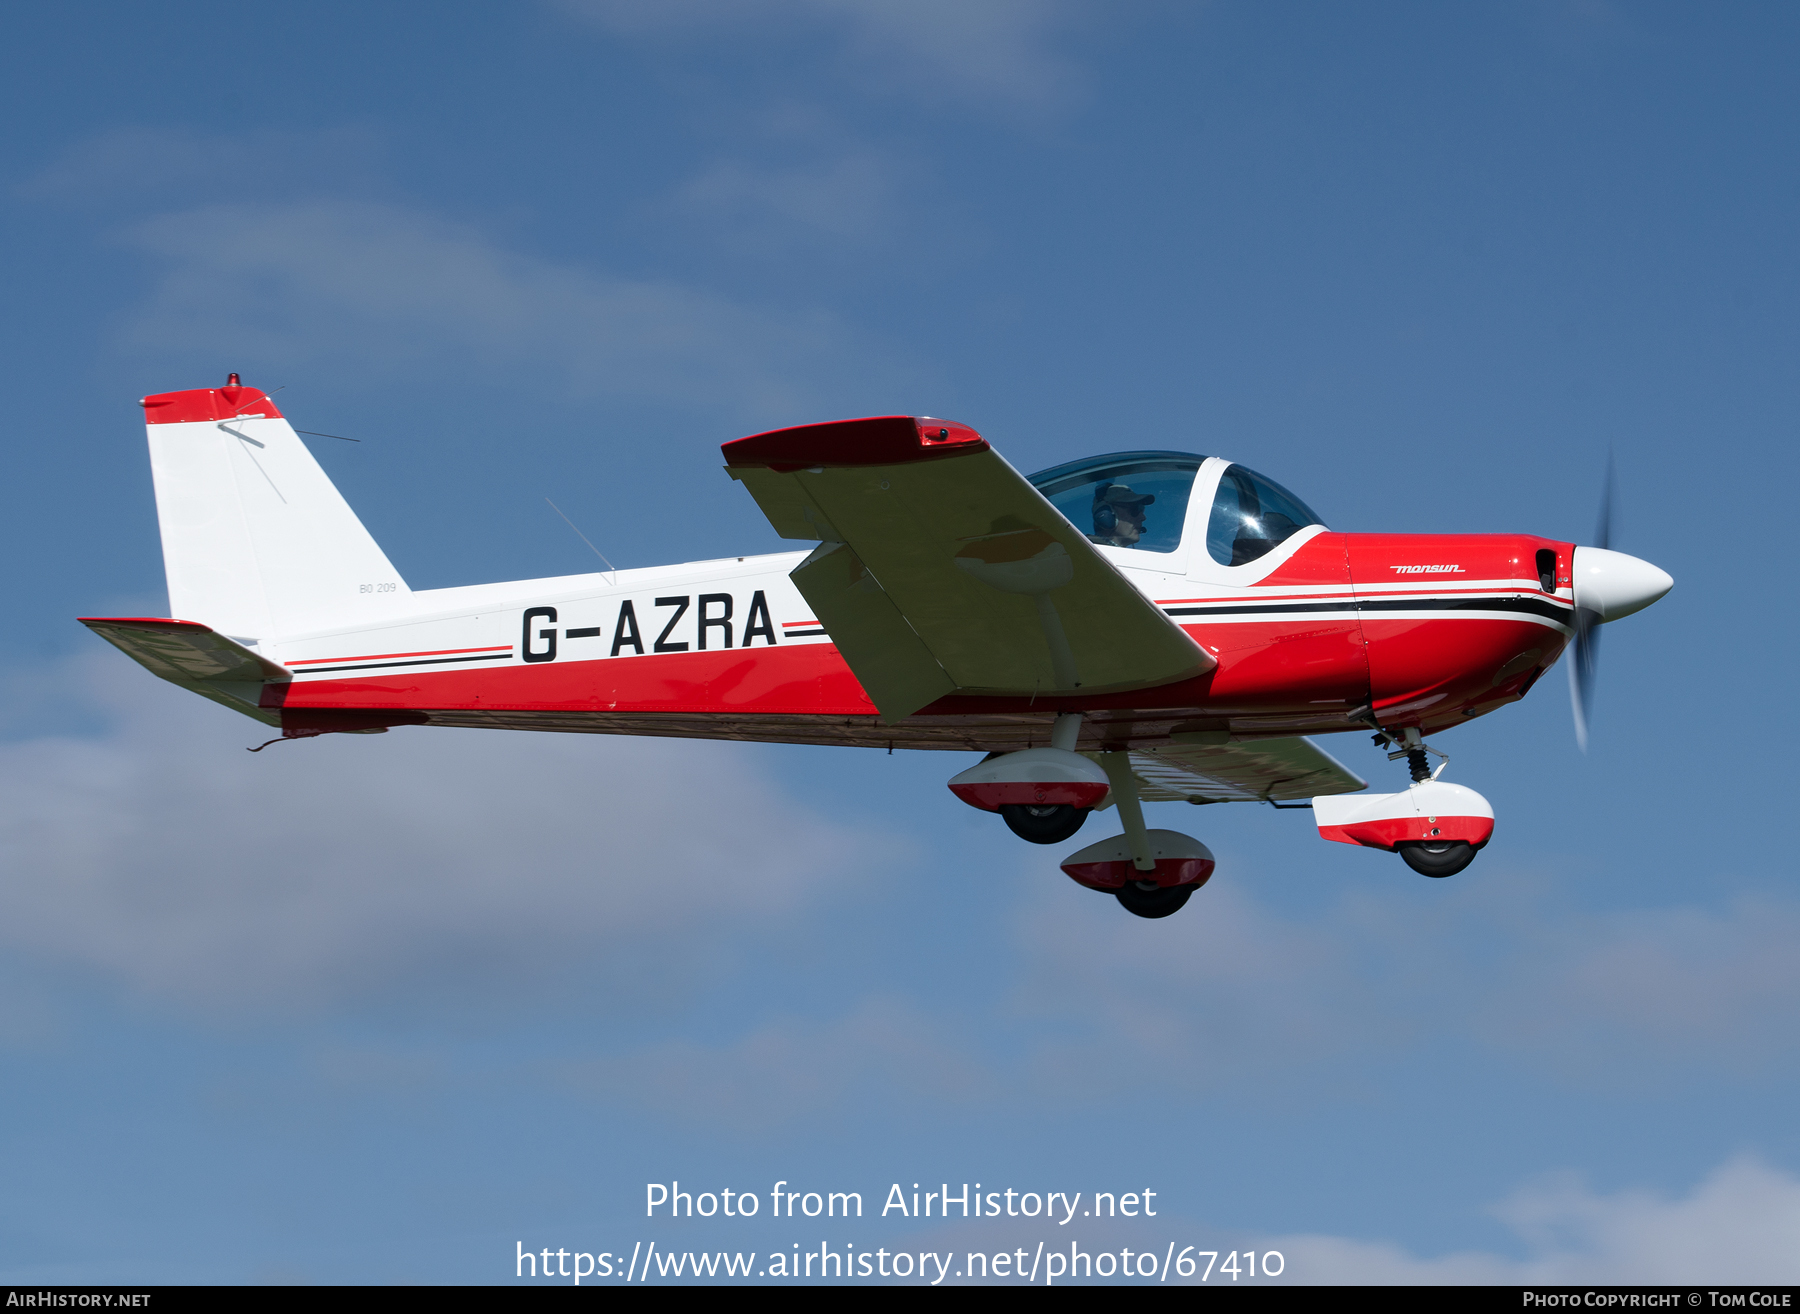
380,1009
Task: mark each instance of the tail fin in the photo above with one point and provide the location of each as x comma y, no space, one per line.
257,542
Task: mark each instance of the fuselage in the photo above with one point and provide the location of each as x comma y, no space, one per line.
1335,632
1306,631
1150,625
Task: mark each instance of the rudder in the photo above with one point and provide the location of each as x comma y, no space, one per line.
257,542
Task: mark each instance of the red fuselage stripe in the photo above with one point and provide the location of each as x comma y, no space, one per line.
1507,586
1350,592
387,656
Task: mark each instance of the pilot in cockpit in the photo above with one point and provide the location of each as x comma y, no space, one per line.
1119,514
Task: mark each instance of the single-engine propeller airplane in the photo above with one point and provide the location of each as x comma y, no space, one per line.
1140,626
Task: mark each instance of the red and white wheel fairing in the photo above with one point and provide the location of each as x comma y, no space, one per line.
1180,860
1432,811
1032,777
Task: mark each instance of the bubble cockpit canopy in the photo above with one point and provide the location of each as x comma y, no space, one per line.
1127,499
1140,500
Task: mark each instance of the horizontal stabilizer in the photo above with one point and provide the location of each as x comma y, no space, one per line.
941,569
196,658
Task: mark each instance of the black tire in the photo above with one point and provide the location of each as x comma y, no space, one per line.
1437,858
1157,901
1043,823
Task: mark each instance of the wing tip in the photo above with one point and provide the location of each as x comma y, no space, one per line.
871,440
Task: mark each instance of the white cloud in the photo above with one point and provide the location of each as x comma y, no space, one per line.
799,186
1719,986
933,51
853,197
790,1070
382,291
1231,999
1227,991
167,858
1219,993
149,164
1740,1225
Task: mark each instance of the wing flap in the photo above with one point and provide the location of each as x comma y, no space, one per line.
1000,593
870,632
196,658
1250,771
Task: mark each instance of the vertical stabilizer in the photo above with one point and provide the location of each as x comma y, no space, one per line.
257,541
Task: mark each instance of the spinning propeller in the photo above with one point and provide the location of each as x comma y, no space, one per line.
1607,585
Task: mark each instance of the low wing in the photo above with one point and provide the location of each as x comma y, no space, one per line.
1252,771
941,570
196,658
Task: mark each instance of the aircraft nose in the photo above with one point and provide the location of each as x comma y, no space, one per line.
1613,584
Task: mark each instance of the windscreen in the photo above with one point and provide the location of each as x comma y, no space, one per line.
1251,515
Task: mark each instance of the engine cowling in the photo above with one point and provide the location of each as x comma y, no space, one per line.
1432,811
1032,776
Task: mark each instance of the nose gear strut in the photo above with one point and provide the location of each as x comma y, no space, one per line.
1413,749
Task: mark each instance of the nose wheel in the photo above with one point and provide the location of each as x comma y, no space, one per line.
1437,859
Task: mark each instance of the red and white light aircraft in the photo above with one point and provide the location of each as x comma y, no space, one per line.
1141,626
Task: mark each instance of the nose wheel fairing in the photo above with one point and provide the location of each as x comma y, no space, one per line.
1430,812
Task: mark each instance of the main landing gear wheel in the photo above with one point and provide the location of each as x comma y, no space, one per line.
1437,858
1043,823
1148,899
